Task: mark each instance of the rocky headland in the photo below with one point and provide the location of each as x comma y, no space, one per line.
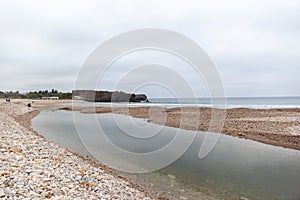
106,96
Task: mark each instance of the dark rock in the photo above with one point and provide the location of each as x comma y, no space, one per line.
140,97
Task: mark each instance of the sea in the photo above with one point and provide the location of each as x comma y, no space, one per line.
248,102
229,102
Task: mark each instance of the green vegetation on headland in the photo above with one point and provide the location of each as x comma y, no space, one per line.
86,95
36,94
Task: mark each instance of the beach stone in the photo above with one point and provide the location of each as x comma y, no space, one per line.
16,149
183,198
241,134
171,176
3,150
243,198
151,185
2,194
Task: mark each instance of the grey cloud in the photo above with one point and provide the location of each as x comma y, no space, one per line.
254,44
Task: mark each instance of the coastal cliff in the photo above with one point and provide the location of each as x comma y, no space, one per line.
106,96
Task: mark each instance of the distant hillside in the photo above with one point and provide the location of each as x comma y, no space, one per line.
36,94
106,96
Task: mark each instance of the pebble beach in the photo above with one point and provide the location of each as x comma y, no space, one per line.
33,168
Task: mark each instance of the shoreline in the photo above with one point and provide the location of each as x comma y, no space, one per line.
273,126
278,127
147,187
21,144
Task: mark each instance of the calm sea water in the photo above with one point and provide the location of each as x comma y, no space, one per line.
235,168
236,102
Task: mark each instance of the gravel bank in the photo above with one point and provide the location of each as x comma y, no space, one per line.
33,168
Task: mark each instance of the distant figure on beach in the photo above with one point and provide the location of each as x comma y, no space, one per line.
29,104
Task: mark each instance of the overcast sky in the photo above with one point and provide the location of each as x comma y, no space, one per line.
254,44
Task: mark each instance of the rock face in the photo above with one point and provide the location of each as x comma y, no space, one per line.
138,98
106,96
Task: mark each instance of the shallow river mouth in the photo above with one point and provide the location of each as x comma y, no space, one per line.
235,168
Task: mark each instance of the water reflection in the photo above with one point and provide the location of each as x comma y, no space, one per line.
235,166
